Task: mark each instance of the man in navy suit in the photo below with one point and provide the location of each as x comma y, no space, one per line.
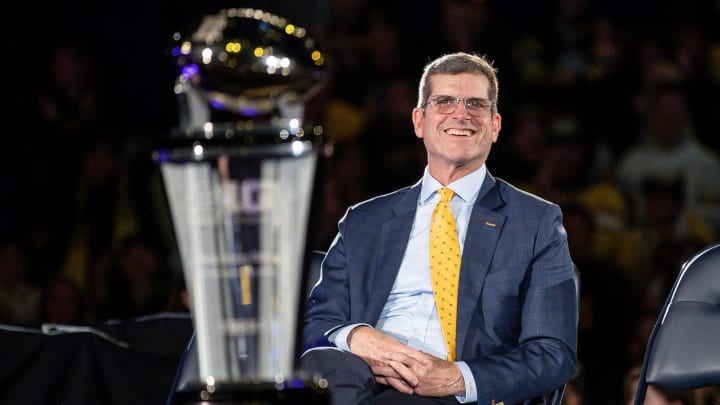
371,327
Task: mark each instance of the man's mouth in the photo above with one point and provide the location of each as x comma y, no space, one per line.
459,132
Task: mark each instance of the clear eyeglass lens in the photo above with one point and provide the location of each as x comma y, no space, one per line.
447,105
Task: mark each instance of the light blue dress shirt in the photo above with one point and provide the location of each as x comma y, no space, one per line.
410,315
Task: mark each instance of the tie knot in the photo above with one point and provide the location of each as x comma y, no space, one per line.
446,195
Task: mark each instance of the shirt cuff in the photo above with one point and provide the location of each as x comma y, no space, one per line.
339,336
470,387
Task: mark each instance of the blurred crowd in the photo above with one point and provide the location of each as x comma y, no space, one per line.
609,110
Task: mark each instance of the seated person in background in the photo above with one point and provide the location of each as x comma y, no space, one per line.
670,148
507,330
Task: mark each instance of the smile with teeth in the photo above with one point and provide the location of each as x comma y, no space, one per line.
460,132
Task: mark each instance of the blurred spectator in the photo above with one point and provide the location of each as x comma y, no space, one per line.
18,298
381,53
519,158
691,44
103,213
390,129
59,105
610,90
567,174
569,35
71,98
466,25
77,190
567,165
666,221
356,87
138,282
340,34
62,302
669,148
347,182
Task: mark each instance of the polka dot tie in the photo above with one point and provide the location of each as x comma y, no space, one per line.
445,266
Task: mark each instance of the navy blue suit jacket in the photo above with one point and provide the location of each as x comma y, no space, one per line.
517,309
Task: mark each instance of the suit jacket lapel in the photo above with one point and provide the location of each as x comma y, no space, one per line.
394,236
482,236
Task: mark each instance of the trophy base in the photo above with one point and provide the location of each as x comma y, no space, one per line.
251,394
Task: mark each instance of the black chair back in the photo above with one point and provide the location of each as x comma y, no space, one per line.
683,350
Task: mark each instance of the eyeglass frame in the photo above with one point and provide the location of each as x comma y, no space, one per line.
473,111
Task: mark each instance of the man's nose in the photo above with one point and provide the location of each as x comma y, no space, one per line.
461,109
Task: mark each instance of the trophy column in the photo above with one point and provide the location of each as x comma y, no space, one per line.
239,175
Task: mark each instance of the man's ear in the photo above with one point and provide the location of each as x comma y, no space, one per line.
497,125
418,117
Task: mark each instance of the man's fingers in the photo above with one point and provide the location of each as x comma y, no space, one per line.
384,370
396,383
397,369
400,385
406,357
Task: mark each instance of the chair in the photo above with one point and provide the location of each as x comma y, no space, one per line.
682,352
555,398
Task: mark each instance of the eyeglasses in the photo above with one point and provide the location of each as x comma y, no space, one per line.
447,104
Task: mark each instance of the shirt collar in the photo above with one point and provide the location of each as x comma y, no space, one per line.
466,187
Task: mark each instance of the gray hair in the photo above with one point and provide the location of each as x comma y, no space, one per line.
454,64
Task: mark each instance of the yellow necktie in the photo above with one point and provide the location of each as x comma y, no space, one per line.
445,266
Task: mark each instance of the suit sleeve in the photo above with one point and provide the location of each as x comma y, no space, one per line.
328,306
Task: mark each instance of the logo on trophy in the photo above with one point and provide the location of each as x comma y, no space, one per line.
239,173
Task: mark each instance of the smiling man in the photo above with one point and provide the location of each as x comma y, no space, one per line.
457,289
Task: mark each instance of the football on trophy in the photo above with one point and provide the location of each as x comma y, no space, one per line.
245,61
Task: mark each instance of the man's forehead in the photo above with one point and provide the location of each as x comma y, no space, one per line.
476,81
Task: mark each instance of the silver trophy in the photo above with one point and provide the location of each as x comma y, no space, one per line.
239,174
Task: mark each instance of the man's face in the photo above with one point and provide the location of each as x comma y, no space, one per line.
669,119
457,140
